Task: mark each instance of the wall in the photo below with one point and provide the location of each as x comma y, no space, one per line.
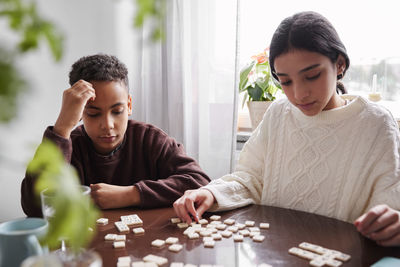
90,27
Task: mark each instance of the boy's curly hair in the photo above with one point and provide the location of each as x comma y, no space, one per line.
99,67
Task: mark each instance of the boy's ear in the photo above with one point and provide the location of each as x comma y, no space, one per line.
129,105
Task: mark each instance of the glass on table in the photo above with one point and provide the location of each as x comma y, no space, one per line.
68,257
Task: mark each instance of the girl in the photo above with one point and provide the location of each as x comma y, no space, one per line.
318,150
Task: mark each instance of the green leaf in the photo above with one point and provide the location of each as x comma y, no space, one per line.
255,93
244,73
74,213
262,83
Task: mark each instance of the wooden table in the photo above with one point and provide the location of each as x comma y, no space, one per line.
288,228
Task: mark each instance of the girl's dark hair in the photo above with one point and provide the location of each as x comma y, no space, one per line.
312,32
99,67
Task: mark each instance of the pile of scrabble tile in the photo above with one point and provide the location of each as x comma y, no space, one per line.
210,232
319,256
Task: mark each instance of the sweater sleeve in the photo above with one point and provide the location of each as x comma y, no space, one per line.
176,171
29,201
385,174
244,186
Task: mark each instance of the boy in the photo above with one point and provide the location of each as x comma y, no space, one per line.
125,162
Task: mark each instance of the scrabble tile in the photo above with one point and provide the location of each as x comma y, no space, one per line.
249,223
175,247
215,218
124,259
182,225
175,220
216,236
156,259
138,264
158,243
229,221
244,232
138,230
132,220
119,244
209,244
171,240
206,233
254,229
238,238
120,238
102,221
193,235
252,234
123,264
121,227
207,238
226,233
203,221
264,225
232,228
188,230
258,238
221,226
110,237
240,226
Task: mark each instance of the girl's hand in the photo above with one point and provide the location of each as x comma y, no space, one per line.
202,199
381,224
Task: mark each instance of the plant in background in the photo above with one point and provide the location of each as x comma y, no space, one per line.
256,80
25,21
74,213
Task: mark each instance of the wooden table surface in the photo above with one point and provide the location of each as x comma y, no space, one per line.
288,228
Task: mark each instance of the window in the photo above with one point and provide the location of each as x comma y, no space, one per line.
369,34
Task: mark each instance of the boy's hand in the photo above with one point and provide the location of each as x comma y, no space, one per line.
108,196
73,104
381,224
185,205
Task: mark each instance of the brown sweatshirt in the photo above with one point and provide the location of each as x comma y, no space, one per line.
147,158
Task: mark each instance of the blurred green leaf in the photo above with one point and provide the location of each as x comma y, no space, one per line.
244,73
75,213
31,28
152,11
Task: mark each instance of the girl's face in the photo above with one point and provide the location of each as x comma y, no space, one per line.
106,118
309,80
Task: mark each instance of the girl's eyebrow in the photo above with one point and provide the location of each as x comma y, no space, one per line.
302,70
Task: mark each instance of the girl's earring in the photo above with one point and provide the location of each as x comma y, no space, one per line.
340,76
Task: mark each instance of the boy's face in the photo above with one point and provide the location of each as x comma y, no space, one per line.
106,118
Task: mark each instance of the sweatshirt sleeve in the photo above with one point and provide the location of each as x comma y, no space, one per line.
177,172
29,201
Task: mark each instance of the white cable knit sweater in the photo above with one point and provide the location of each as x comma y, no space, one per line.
338,163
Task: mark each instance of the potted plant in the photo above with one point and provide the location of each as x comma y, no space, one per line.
259,86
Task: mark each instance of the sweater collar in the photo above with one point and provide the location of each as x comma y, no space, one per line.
357,103
109,155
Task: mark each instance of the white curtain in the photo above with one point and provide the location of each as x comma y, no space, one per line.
186,84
